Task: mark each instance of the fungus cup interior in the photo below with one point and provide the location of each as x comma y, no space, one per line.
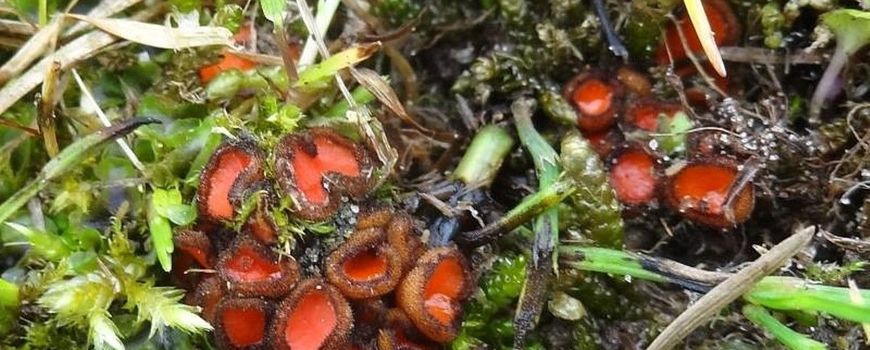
311,322
722,22
703,187
310,169
221,178
632,176
367,265
244,326
443,289
594,99
247,264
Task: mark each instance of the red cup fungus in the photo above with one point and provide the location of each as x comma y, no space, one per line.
634,175
314,316
364,266
400,233
700,190
431,294
317,167
230,171
597,100
208,295
722,21
242,323
193,250
645,114
252,269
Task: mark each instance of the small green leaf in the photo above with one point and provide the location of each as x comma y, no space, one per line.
319,76
169,204
161,231
274,11
852,28
675,128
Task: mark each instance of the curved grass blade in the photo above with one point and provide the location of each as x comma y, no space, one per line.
68,158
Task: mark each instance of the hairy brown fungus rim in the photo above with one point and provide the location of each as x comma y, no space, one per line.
699,191
252,269
232,168
208,295
597,99
432,293
364,266
317,184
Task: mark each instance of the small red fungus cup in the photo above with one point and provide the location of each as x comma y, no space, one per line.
208,295
364,266
314,316
252,269
317,167
432,293
193,250
722,20
699,191
597,100
242,323
634,175
232,169
404,242
646,114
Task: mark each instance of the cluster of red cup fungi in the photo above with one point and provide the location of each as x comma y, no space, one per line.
611,106
382,288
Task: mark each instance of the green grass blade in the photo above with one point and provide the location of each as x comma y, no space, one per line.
790,338
70,157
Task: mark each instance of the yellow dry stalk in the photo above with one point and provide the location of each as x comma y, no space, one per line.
705,35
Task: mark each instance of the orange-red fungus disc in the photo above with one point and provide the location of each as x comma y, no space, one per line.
251,269
314,316
432,293
242,323
699,191
364,266
596,99
646,114
317,167
231,169
229,61
634,176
